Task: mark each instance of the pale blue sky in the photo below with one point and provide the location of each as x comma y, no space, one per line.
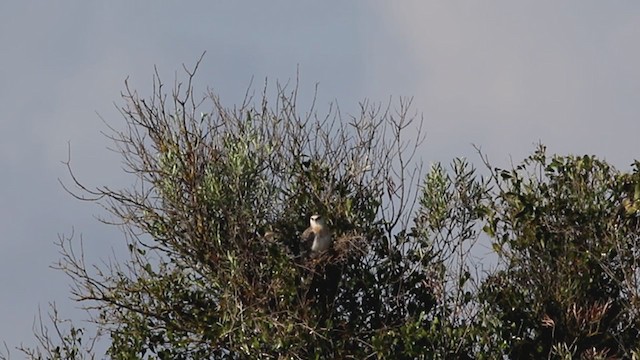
499,74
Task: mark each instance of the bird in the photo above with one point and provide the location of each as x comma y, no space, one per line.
317,237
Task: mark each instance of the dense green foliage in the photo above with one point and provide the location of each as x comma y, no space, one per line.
220,200
567,229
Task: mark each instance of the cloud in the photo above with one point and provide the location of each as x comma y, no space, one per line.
505,75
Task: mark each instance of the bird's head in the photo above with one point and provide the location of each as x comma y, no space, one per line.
316,220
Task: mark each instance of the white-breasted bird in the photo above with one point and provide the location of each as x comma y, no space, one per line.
317,237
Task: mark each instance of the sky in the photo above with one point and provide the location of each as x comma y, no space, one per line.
501,75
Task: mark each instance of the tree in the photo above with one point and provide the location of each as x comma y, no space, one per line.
567,231
216,270
214,221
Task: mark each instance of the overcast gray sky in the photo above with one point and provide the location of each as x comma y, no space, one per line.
502,75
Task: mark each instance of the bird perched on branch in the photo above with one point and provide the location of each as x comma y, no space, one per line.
317,237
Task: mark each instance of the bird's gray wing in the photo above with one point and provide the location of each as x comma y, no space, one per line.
306,241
